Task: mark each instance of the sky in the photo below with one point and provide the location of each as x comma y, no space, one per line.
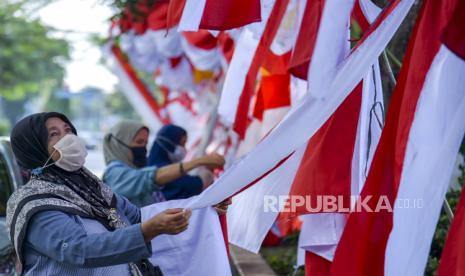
81,18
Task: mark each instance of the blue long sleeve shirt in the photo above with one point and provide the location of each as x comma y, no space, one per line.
137,185
63,242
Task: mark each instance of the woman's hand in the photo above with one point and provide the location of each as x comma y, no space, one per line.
222,207
170,221
212,161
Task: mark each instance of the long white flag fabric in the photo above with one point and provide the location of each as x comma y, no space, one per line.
186,253
303,121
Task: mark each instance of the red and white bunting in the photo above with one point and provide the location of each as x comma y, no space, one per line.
414,159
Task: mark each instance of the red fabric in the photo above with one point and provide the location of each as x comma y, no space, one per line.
175,61
452,261
274,92
227,46
306,39
288,225
157,17
229,14
141,88
139,17
224,229
271,239
454,35
316,265
241,120
361,250
276,64
175,9
201,39
359,17
326,167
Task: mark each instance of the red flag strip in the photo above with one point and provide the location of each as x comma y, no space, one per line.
362,248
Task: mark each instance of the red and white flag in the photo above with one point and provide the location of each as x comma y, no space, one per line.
413,163
135,90
249,54
201,48
218,14
303,121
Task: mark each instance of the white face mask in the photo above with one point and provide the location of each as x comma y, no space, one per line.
72,151
179,151
178,155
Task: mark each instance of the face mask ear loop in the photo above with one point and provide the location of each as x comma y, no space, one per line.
39,170
163,147
119,141
167,140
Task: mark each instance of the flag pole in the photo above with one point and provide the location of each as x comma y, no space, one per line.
389,69
446,206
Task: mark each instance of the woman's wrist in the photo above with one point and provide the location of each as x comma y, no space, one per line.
181,169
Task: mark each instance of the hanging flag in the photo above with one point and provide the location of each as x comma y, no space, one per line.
452,261
135,90
303,121
201,48
218,15
239,85
328,179
414,160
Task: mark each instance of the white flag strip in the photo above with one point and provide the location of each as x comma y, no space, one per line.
249,217
303,121
185,253
331,46
435,137
244,53
192,15
370,125
251,224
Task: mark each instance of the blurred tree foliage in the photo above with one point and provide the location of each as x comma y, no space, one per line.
31,60
116,103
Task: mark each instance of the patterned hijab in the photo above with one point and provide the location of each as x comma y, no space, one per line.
119,135
78,192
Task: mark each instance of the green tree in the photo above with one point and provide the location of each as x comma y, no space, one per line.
31,60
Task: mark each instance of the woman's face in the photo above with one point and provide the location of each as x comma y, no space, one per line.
183,141
140,139
56,128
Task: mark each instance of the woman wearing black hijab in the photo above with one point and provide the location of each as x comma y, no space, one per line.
65,220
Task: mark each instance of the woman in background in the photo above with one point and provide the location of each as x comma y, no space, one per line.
125,151
169,148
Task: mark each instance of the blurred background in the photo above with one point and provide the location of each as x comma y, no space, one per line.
50,59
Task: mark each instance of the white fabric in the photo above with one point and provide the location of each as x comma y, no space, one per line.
320,233
331,46
369,10
248,221
288,30
200,250
251,139
243,55
372,106
202,59
131,92
192,15
178,78
167,42
434,140
305,119
298,90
